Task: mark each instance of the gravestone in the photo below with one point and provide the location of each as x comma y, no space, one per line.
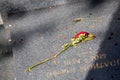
37,35
15,6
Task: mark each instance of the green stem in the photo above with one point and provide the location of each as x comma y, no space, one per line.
39,63
63,50
46,60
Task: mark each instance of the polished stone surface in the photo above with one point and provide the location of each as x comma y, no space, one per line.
26,5
37,35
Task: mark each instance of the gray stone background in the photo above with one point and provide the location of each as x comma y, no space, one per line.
26,5
38,34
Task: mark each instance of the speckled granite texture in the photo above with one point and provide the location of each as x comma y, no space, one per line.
26,5
38,34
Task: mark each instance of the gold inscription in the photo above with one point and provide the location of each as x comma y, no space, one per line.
97,57
86,67
97,65
93,57
100,65
60,72
71,62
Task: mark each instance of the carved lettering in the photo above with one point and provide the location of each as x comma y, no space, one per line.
60,72
83,69
100,65
113,63
101,56
94,66
106,64
93,57
71,62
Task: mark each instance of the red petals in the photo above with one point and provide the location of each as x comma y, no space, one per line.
78,34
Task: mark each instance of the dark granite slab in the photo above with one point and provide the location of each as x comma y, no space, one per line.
15,6
37,35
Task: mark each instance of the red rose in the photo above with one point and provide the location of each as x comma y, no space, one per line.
78,34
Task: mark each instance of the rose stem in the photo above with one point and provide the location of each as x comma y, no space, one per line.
46,60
